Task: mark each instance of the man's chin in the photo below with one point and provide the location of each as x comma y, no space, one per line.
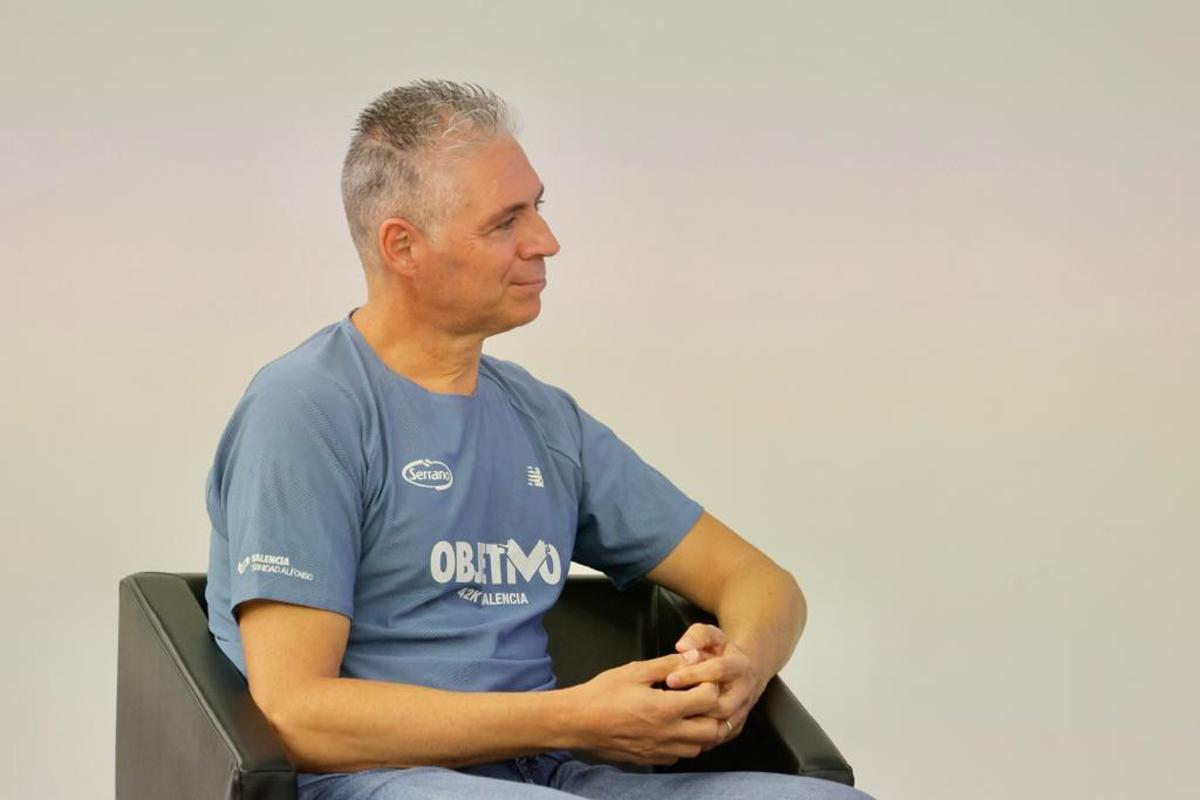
528,315
531,317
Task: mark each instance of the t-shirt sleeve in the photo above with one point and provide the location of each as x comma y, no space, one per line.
630,515
288,490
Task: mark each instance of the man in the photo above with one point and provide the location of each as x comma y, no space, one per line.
393,512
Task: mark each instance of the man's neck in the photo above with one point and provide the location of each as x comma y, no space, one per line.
432,359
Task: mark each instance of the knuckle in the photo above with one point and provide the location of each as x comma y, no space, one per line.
643,753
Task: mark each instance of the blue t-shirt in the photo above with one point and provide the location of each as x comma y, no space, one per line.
442,525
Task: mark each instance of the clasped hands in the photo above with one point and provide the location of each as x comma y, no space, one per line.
711,685
712,657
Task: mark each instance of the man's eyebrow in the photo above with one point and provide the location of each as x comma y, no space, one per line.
514,208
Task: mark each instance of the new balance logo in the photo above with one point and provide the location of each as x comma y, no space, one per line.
535,477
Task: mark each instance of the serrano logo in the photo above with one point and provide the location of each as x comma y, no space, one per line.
428,474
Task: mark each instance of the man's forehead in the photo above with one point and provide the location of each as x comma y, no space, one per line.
495,178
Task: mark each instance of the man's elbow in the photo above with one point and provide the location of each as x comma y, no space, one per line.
801,603
795,600
283,706
285,711
271,702
280,710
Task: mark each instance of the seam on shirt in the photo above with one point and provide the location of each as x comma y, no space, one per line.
508,395
283,595
640,569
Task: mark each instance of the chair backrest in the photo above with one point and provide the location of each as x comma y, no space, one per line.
186,724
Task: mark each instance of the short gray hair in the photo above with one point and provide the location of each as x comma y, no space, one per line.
404,145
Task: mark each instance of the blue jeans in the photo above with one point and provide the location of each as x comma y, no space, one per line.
556,775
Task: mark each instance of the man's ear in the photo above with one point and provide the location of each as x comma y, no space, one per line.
399,244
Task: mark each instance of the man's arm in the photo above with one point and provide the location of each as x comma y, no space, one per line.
334,724
759,607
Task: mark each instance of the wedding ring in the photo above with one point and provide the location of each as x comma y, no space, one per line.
728,727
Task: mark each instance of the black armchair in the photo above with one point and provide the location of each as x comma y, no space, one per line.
186,723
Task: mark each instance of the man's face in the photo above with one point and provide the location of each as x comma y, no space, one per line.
486,272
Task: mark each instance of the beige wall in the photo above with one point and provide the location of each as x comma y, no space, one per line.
907,294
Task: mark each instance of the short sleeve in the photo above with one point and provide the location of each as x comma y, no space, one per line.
630,515
286,492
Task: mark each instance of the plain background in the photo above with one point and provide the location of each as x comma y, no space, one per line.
906,293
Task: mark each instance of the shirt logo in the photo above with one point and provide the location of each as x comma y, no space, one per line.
494,563
535,477
272,564
428,474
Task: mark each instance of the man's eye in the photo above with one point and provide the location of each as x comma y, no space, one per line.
537,205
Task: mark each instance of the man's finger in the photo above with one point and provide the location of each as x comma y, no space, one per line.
698,700
700,730
700,636
657,669
719,670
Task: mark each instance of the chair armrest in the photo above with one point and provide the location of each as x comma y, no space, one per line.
779,735
186,724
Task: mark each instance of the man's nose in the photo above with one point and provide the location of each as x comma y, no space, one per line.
542,242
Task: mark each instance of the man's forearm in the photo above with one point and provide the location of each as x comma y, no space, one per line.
347,725
762,609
